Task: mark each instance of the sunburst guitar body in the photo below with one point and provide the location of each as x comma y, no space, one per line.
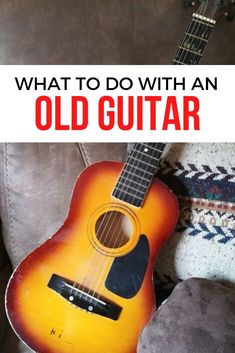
88,289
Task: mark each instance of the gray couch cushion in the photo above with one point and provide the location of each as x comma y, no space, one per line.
35,192
36,182
199,317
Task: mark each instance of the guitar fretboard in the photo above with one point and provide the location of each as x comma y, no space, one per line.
195,40
138,172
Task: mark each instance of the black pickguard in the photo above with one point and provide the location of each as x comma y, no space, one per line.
127,272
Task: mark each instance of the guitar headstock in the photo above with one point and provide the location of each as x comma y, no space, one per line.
213,9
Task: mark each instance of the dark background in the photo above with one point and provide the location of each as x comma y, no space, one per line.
102,32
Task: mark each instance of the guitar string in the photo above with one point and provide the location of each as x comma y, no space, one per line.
99,280
114,237
183,54
108,214
91,252
121,191
103,220
198,11
193,28
139,152
196,27
207,31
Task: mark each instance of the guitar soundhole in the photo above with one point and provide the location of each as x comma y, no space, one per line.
113,229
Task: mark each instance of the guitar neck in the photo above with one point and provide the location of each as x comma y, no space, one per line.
138,173
194,41
139,170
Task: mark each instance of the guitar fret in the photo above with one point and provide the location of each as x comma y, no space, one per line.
139,161
140,168
155,149
196,42
196,38
143,171
204,18
204,23
143,178
188,57
130,187
199,31
153,158
178,62
191,51
138,172
145,154
192,35
131,200
128,193
144,183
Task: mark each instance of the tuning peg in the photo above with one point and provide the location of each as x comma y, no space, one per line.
230,15
189,3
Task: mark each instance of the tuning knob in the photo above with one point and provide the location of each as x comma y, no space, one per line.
230,15
189,3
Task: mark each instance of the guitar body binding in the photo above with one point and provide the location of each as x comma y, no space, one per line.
84,290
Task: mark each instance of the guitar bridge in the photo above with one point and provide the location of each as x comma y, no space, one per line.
83,299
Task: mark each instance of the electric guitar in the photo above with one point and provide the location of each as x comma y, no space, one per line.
88,289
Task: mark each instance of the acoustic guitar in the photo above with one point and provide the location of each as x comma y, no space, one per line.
89,288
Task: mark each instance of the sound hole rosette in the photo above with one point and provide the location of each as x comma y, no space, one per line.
130,230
